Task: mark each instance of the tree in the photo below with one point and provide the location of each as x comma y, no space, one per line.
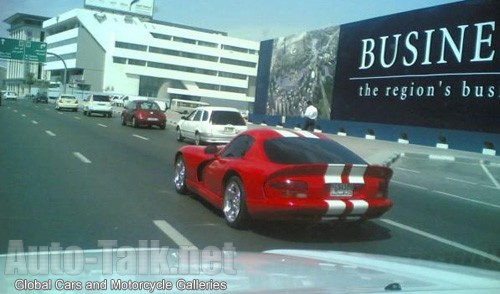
30,80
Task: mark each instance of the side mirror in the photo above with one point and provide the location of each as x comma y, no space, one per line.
183,117
211,149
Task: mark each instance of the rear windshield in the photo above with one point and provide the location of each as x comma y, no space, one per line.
221,117
68,97
101,98
149,106
302,150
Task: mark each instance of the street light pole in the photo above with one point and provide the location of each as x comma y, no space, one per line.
65,69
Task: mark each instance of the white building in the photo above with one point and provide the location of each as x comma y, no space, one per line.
138,56
21,74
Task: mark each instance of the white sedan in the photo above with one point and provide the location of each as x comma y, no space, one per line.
66,101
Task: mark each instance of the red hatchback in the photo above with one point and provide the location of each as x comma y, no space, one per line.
143,113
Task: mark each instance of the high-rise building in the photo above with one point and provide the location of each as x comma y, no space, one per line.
129,54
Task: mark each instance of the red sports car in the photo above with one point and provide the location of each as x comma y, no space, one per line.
278,174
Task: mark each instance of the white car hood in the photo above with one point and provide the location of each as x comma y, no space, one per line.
289,271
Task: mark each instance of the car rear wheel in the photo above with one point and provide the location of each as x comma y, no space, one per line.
234,206
179,136
123,120
197,139
180,175
134,122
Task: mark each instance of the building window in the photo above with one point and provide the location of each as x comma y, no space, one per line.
232,75
62,43
131,46
207,44
206,86
233,89
182,68
63,56
235,49
184,40
183,54
238,62
119,60
136,62
161,36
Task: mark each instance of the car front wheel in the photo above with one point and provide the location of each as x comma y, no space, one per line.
180,175
234,206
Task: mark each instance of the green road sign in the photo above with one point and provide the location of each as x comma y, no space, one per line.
23,50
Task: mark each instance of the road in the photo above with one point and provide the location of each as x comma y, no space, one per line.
75,180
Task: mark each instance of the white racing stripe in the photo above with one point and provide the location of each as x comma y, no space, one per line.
356,176
287,134
335,207
308,134
334,173
359,206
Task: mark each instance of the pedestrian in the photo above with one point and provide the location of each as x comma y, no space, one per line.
311,114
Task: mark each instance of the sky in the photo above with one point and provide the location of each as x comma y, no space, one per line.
247,19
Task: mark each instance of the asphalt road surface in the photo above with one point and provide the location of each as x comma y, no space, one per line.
75,180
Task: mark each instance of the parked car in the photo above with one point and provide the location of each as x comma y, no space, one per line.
41,98
143,113
270,174
210,124
98,103
66,101
9,95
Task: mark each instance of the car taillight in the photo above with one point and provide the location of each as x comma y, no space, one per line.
383,187
139,115
287,188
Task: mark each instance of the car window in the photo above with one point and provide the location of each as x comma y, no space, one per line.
68,97
302,150
225,117
102,98
238,147
197,115
149,106
205,116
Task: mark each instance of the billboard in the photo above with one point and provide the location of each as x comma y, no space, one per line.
136,7
437,67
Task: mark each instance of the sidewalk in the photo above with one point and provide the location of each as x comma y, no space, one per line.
387,152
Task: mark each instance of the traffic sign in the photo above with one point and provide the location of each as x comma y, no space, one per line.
23,50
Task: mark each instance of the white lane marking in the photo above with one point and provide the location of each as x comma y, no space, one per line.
50,133
47,109
76,117
467,199
23,115
335,207
82,157
461,181
407,170
15,110
34,122
442,240
140,137
409,185
359,206
60,112
173,234
488,173
101,125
